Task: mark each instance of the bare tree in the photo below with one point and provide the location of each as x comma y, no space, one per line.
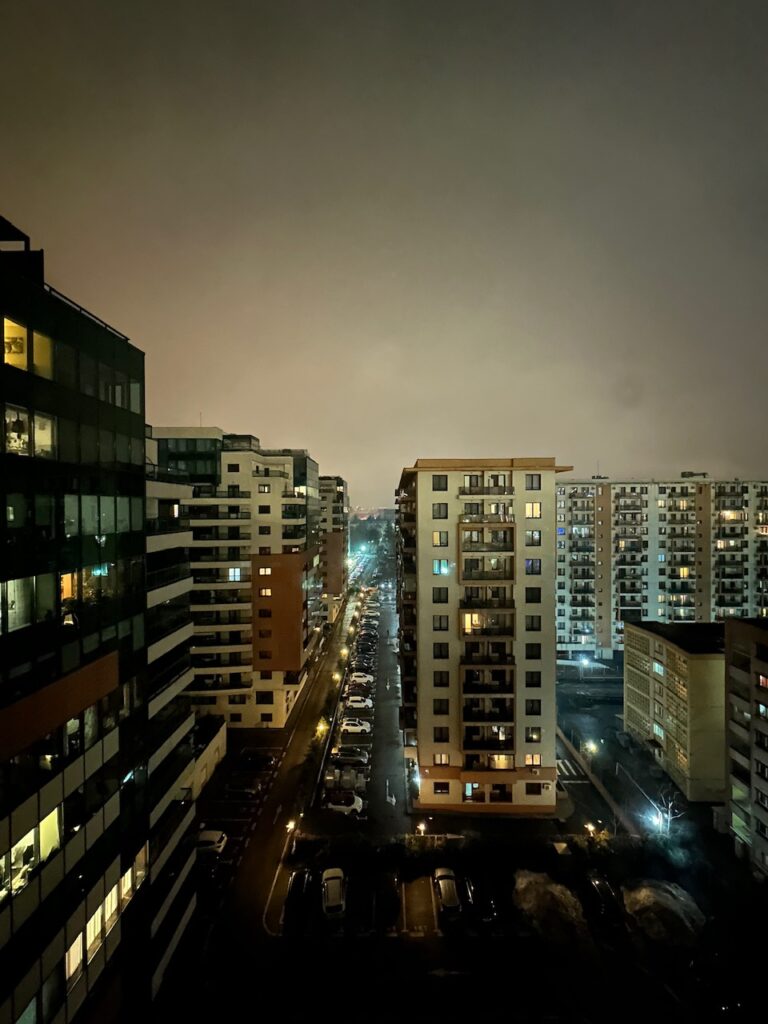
668,803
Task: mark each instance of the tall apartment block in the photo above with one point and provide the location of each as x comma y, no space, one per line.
746,660
686,550
476,587
334,542
257,591
673,701
85,748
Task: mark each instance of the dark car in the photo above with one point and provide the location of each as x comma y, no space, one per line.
257,760
297,901
600,897
342,758
480,903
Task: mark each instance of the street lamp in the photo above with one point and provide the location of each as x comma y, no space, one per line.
422,827
322,728
591,747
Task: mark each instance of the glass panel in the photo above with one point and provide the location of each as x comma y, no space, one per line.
111,907
45,436
45,597
88,375
89,507
89,444
137,513
42,355
65,365
45,515
126,886
17,433
74,959
93,932
68,441
23,860
29,1016
107,513
16,347
73,739
121,390
91,726
135,396
19,594
123,448
50,834
123,515
5,877
106,446
71,515
15,511
105,382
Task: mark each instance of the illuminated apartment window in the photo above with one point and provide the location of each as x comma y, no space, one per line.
140,866
17,430
16,349
440,567
265,571
441,759
533,510
684,572
658,668
440,539
234,574
658,730
73,962
111,909
533,759
45,436
126,887
762,681
93,933
265,592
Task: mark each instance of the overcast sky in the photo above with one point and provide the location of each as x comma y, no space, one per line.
390,230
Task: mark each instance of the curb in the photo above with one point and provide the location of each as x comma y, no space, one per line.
627,824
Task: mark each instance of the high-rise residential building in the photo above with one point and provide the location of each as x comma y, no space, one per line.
476,588
334,542
85,780
674,701
257,592
746,713
685,550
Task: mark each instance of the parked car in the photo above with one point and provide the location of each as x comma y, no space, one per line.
480,902
334,894
257,760
342,758
360,677
358,703
447,892
296,903
602,898
233,791
356,725
211,841
344,802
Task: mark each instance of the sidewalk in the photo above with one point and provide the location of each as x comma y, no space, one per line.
626,821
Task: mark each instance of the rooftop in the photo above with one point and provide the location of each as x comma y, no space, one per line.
692,637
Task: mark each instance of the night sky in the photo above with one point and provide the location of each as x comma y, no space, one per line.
389,230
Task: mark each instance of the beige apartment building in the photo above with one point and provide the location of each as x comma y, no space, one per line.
674,701
682,550
476,585
746,660
334,543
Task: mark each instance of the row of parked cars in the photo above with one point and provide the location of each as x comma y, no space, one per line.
328,900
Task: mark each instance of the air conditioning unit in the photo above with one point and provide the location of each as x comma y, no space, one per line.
534,771
546,786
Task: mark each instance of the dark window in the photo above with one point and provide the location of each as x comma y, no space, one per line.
264,531
233,467
265,675
439,706
533,481
533,678
265,613
262,551
441,734
533,623
533,651
235,716
441,787
440,623
533,595
440,510
263,509
439,651
533,567
265,655
440,678
533,707
533,734
533,538
265,697
266,716
533,789
439,595
439,482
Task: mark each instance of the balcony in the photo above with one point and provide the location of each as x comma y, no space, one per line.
203,599
487,659
171,574
167,524
487,489
467,633
475,739
408,596
487,517
501,603
506,573
487,545
474,711
204,515
203,492
280,473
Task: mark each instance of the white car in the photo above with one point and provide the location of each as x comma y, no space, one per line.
359,703
211,841
355,725
343,801
334,896
360,677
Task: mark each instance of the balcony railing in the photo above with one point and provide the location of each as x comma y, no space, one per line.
473,742
487,489
508,630
488,574
487,659
491,689
487,517
470,714
167,524
490,545
501,603
171,574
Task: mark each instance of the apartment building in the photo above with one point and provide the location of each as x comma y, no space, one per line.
685,550
334,543
674,698
746,661
476,586
80,802
257,591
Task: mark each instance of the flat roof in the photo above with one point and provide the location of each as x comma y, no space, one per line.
693,637
457,465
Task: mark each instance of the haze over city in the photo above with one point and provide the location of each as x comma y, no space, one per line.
386,231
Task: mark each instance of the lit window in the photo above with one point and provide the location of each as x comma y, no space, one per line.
50,834
140,866
533,759
42,355
73,962
17,430
265,488
93,932
16,352
762,711
533,510
440,567
265,592
440,539
23,860
45,436
684,572
126,887
532,734
110,909
762,681
658,668
265,570
233,574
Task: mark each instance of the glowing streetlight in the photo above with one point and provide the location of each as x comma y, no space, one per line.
322,727
422,827
345,652
590,829
291,825
337,677
591,747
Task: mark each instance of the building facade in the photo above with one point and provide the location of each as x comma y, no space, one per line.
685,550
76,790
257,591
334,543
746,713
673,701
476,586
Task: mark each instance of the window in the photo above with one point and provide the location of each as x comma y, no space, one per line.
140,866
265,613
265,488
533,789
50,834
237,698
533,623
74,960
440,539
658,730
17,430
439,482
441,788
265,591
16,348
441,759
762,710
439,566
233,467
45,443
18,595
532,759
440,678
440,734
533,595
265,570
235,716
533,510
440,510
439,595
439,706
93,932
110,909
265,697
533,481
533,651
533,567
533,734
264,531
126,887
439,651
24,859
658,668
762,681
533,707
264,510
440,623
533,679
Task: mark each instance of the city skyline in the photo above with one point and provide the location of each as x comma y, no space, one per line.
293,206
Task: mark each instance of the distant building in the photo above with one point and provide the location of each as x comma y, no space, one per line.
746,658
674,701
334,542
257,592
681,550
476,585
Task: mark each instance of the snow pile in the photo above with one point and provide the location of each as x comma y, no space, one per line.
664,912
554,911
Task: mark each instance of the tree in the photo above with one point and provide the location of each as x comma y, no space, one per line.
668,803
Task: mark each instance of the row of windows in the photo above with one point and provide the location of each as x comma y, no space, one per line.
442,733
444,788
36,434
441,651
441,566
440,481
441,705
89,515
32,351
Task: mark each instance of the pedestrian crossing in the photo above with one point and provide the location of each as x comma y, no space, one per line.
569,771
